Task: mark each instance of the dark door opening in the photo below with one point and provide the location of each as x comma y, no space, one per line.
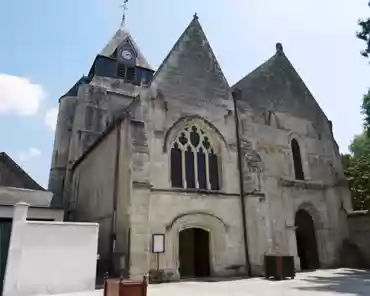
5,231
194,253
306,241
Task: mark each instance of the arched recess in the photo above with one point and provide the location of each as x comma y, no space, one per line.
294,137
297,160
307,246
212,224
318,225
178,125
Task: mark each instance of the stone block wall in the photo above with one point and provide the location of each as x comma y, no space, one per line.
359,233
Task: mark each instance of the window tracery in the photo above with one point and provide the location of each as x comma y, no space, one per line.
194,160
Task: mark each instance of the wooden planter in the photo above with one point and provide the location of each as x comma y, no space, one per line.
120,287
279,267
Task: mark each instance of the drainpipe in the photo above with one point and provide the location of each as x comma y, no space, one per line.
236,94
115,199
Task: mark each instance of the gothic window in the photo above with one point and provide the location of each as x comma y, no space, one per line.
298,168
194,161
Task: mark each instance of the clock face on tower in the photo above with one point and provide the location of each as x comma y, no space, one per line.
127,55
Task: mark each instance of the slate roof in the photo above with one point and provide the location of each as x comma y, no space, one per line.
13,166
276,86
118,38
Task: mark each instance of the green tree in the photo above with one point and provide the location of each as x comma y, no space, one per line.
357,172
366,111
360,146
357,164
364,34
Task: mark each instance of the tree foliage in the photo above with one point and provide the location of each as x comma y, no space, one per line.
357,172
366,112
357,164
364,34
360,146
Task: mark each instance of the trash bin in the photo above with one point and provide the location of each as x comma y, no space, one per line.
121,287
279,267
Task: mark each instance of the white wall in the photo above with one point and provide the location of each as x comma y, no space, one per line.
50,257
7,211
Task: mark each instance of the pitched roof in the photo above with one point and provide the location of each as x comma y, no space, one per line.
276,86
28,182
191,63
118,38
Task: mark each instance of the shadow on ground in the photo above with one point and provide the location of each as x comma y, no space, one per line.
356,282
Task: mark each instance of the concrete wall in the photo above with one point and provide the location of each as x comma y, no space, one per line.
34,213
359,230
50,257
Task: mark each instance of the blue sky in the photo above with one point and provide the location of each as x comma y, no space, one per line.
47,45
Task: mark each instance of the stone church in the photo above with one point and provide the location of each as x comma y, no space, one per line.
223,175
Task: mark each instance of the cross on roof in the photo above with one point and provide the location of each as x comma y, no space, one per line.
125,8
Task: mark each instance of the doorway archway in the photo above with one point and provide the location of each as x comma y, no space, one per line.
306,241
194,253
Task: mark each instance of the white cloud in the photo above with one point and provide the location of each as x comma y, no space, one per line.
31,153
18,95
51,118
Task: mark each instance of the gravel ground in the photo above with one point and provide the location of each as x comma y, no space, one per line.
319,283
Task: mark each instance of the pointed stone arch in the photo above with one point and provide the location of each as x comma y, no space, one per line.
293,136
200,220
176,127
196,151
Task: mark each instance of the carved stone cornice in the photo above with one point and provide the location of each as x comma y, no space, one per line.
311,185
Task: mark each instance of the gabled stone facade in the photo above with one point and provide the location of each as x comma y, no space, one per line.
161,157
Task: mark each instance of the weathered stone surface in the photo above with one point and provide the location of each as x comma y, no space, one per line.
189,89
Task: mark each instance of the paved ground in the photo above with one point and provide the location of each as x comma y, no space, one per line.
319,283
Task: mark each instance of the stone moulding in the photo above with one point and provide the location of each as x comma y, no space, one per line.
302,184
170,224
311,185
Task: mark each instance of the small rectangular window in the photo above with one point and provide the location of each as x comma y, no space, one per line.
121,71
130,74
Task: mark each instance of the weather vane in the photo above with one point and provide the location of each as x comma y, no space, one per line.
125,8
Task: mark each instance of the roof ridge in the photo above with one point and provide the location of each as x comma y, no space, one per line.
194,22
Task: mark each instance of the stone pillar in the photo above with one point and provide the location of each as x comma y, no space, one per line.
15,250
139,201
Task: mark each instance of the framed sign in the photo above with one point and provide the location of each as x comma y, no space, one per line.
158,242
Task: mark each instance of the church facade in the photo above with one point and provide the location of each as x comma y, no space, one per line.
222,175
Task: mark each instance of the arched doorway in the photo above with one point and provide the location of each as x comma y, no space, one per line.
306,241
194,253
